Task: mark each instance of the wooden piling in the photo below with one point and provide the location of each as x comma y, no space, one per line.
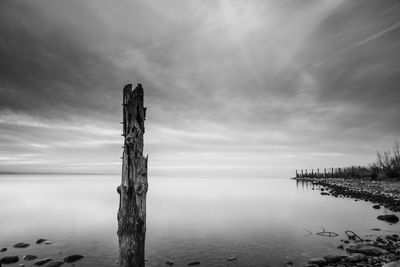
133,188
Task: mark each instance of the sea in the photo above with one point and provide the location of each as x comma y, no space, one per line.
253,222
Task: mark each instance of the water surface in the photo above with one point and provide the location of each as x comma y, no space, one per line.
260,221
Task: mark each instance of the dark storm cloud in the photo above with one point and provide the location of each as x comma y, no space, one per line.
266,86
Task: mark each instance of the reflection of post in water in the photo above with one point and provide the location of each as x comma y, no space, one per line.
133,188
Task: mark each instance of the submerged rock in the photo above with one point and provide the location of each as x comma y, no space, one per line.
73,258
9,259
30,257
21,245
232,259
40,240
3,250
193,263
389,218
169,263
42,261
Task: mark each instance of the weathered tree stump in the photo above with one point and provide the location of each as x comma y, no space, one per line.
133,188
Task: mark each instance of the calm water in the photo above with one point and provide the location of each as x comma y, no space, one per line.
260,221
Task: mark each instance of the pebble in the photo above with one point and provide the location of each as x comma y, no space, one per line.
55,264
42,261
30,257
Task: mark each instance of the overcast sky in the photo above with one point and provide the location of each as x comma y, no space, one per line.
233,88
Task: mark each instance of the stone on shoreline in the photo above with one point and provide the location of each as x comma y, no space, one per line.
9,259
391,218
332,258
366,250
377,207
392,264
318,261
357,257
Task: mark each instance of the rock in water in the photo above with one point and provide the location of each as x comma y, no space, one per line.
389,218
366,250
42,261
55,264
3,250
332,258
21,245
40,241
377,207
30,257
318,261
9,259
73,258
193,263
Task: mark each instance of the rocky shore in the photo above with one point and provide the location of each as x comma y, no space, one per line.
385,249
381,192
6,258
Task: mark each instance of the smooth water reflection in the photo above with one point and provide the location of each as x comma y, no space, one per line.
260,221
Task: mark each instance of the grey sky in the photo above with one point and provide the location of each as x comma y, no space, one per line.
233,88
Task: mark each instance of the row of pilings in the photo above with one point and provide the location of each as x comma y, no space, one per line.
343,172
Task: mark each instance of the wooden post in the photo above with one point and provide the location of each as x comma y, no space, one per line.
302,174
133,188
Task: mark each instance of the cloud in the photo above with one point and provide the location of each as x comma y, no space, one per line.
261,86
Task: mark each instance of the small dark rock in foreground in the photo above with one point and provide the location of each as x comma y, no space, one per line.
73,258
21,245
389,218
3,250
40,241
55,264
30,257
193,263
9,259
42,261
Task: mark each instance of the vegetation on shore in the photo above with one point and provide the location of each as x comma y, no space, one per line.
387,165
